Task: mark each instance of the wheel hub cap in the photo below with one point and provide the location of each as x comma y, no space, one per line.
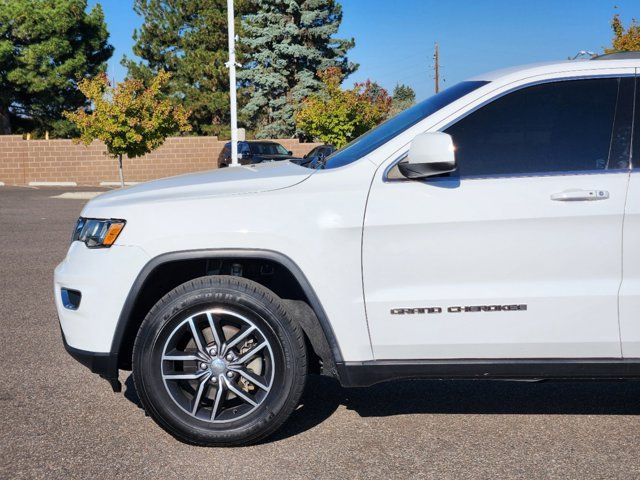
218,366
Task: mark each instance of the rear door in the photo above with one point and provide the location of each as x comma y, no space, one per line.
518,254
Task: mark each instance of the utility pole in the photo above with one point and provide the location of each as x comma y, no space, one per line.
231,64
436,66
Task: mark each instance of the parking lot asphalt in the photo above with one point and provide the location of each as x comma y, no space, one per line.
60,421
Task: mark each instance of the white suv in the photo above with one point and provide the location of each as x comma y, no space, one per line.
491,231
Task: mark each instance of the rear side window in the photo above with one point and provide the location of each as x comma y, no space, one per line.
636,129
565,126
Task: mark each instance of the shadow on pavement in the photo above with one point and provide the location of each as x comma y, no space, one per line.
323,396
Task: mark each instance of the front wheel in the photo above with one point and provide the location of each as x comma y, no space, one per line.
218,362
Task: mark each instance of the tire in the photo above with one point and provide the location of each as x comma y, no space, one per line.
199,385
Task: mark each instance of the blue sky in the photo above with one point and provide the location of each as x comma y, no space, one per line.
395,38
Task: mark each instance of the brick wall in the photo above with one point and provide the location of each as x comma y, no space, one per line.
13,159
26,161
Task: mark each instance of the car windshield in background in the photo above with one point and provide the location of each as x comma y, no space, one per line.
268,149
373,139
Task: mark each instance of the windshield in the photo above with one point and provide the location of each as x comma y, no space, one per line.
267,149
380,135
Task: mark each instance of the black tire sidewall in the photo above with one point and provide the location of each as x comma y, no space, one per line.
266,312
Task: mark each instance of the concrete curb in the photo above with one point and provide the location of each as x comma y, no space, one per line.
77,195
117,184
53,184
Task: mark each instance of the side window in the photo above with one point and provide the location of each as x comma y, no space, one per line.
564,126
636,129
243,147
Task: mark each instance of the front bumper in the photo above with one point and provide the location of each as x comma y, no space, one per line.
104,364
103,279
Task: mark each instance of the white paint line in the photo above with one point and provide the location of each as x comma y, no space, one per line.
117,184
77,195
53,184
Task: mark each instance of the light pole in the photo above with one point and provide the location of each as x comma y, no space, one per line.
231,64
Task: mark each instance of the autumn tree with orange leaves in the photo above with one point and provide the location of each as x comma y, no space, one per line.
336,116
130,118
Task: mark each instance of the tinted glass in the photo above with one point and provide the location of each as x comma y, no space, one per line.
621,140
380,135
552,127
260,148
636,129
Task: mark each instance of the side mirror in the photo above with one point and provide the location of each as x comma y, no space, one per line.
290,153
429,154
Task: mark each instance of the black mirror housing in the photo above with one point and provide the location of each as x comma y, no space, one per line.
416,171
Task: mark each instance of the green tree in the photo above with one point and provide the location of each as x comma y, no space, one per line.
46,47
131,119
624,39
403,97
288,42
188,39
336,116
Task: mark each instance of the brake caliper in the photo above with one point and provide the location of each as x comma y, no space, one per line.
255,366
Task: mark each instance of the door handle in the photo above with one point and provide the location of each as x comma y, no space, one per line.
580,195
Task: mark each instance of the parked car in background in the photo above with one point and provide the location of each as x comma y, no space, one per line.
251,152
315,157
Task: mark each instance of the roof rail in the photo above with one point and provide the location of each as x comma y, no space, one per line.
617,56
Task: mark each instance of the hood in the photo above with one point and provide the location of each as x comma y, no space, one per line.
262,177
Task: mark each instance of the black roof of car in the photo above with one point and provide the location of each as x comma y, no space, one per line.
255,141
617,56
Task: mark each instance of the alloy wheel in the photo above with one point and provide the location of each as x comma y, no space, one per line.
217,365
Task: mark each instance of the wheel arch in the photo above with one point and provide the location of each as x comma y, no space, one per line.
316,326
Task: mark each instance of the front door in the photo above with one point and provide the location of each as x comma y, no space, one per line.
518,254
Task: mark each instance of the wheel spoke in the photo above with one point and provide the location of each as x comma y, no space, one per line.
184,376
257,381
197,336
238,338
181,358
203,384
216,330
239,393
207,383
216,403
243,359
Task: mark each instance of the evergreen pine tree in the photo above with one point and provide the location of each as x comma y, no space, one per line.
403,97
289,42
188,39
46,47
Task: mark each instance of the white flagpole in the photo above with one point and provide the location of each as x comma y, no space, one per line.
232,83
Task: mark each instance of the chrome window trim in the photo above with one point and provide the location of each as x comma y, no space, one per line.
449,122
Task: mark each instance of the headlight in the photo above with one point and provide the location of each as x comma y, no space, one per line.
96,232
